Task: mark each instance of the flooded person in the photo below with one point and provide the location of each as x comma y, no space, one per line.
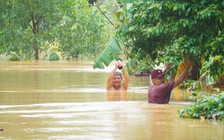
116,85
160,91
115,81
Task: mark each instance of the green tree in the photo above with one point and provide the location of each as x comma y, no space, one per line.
83,33
28,28
167,30
155,31
27,24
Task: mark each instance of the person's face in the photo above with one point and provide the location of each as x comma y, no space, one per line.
117,80
158,81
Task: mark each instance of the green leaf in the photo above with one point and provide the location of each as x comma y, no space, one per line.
126,1
210,80
108,55
194,94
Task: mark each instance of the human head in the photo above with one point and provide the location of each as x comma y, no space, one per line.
157,76
117,79
157,73
118,73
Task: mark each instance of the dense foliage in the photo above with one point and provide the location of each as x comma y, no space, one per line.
162,31
155,31
174,28
209,107
39,27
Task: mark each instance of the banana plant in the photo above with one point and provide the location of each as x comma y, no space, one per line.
113,47
110,53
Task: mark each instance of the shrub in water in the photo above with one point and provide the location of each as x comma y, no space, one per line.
210,108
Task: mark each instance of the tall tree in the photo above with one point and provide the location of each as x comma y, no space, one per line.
30,26
167,30
27,23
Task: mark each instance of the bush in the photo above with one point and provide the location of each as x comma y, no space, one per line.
211,107
54,57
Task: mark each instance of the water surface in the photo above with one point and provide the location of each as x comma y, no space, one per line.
68,100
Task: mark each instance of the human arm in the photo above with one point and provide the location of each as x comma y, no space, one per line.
110,78
168,66
183,75
126,76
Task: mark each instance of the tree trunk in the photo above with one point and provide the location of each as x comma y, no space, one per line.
35,29
36,53
195,71
220,82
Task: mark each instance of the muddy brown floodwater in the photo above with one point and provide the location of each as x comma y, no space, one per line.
68,100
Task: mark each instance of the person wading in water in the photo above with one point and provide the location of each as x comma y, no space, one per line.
114,81
160,91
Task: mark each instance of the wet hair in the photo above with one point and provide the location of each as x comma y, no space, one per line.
118,73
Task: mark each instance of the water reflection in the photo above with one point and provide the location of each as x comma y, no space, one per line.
117,95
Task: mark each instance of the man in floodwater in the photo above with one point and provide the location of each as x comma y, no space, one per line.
114,81
160,92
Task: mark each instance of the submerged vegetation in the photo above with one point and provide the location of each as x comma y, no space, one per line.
210,107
